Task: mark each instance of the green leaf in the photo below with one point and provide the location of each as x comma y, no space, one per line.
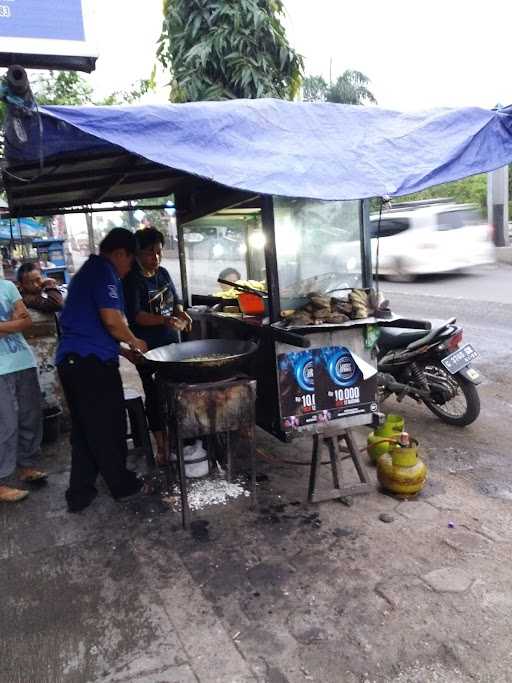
227,48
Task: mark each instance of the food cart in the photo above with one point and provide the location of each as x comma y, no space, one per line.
298,176
308,374
313,379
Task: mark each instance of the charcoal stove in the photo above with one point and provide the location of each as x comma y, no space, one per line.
204,410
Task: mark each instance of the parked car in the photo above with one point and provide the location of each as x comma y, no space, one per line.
432,238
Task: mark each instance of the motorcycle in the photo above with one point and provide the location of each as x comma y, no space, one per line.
431,366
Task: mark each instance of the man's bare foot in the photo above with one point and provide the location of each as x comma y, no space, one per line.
8,494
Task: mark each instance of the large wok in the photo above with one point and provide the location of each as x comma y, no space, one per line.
217,359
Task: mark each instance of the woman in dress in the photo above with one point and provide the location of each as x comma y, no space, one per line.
155,314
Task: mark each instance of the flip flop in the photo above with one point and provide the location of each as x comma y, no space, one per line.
8,494
31,474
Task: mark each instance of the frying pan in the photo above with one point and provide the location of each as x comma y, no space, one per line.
176,361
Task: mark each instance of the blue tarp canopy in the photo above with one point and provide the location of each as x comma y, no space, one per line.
22,229
317,150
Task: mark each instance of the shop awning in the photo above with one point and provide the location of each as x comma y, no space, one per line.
82,155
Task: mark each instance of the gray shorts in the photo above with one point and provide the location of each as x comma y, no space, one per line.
21,420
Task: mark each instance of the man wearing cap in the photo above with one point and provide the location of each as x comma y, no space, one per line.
92,325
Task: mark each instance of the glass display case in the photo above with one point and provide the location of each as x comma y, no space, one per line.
318,245
231,240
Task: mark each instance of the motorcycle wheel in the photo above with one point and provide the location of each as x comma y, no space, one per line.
464,407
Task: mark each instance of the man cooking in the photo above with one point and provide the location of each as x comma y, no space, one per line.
38,293
92,325
155,313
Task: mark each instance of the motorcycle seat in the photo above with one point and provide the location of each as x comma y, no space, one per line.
399,337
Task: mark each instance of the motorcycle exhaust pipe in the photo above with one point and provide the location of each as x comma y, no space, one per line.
388,382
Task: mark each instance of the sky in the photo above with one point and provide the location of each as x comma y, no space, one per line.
418,55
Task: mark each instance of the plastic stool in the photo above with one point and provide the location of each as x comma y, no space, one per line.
139,432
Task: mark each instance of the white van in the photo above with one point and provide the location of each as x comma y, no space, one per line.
424,239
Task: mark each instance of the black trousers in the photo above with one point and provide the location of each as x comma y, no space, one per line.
154,402
94,393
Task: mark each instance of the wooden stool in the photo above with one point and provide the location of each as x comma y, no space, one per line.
334,444
139,432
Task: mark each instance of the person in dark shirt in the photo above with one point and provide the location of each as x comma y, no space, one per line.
92,325
230,275
38,293
155,313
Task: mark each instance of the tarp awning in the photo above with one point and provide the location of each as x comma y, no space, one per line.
317,150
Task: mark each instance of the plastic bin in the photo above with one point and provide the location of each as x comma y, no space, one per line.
51,424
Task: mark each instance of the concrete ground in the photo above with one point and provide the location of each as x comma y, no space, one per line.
284,592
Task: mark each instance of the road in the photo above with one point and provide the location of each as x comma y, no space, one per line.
481,301
487,283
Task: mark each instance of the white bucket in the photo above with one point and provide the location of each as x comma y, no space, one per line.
196,460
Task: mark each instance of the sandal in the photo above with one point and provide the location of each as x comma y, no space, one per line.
9,494
31,474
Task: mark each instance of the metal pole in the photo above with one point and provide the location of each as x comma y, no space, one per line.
67,245
131,218
182,254
267,217
366,251
90,233
497,205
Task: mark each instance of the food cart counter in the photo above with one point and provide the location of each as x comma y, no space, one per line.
314,373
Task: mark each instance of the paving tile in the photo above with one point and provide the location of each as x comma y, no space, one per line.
449,580
418,511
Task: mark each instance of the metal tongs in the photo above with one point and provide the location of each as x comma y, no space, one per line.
242,288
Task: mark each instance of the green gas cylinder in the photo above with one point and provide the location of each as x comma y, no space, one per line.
381,440
401,471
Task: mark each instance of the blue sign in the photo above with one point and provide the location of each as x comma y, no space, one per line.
340,365
23,228
42,19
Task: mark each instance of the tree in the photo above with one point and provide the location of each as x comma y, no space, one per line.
314,89
221,49
157,218
471,190
61,87
134,93
68,87
349,88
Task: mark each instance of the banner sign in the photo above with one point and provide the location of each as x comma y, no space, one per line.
45,33
46,19
321,385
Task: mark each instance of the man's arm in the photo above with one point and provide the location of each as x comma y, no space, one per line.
146,319
19,322
182,315
116,324
50,304
149,319
179,312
